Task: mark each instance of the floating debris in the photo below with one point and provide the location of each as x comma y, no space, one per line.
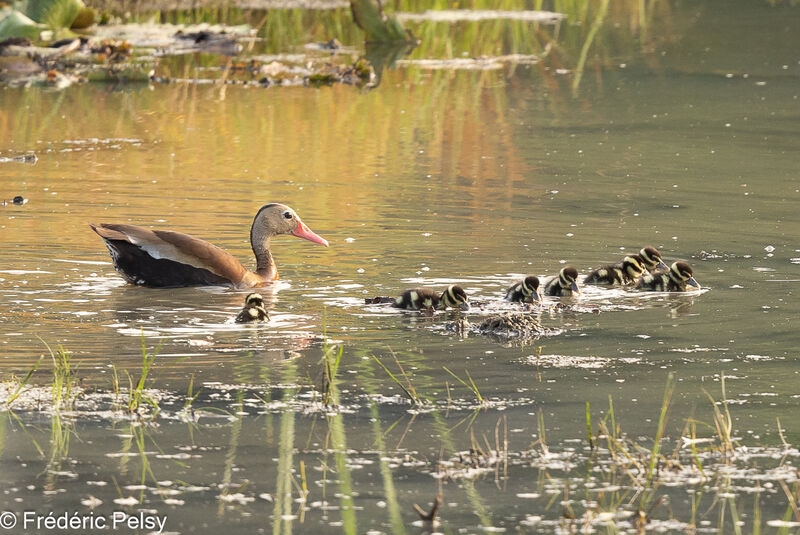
484,63
204,41
177,38
473,15
379,300
332,46
504,327
23,158
19,200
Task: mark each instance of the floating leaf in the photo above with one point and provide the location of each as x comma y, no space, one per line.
56,14
15,24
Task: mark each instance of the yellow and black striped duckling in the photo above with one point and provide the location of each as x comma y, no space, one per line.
526,291
426,299
673,280
563,285
651,258
254,309
625,272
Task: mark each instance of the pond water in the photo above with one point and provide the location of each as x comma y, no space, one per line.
683,136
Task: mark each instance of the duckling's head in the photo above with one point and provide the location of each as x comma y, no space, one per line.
568,277
253,310
455,296
682,271
530,287
253,299
633,265
652,258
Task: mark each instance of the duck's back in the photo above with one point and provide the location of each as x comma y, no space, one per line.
163,258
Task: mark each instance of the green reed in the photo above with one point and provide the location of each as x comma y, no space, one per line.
472,386
62,384
137,394
21,383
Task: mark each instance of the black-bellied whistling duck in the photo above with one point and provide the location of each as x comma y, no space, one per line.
254,309
625,272
526,291
674,280
427,299
651,257
563,285
163,258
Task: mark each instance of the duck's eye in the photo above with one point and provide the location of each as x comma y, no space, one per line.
287,215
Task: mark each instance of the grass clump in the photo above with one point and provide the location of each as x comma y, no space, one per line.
137,396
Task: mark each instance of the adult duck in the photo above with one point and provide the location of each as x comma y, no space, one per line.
164,258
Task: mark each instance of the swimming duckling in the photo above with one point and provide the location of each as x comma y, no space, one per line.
563,285
254,309
651,258
524,292
625,272
673,280
426,299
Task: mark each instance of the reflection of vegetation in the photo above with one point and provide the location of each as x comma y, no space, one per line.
593,35
389,490
230,454
377,25
60,431
282,509
337,441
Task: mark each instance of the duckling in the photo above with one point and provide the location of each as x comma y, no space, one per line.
673,280
426,299
254,309
651,258
524,292
563,285
625,272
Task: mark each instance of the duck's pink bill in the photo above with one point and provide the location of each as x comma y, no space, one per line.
302,231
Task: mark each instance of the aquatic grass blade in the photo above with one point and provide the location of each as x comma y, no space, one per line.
21,384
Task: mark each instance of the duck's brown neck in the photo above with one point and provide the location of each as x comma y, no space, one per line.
265,265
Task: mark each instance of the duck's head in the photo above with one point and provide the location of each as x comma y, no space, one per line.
530,287
568,278
652,258
682,271
455,296
274,219
634,266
